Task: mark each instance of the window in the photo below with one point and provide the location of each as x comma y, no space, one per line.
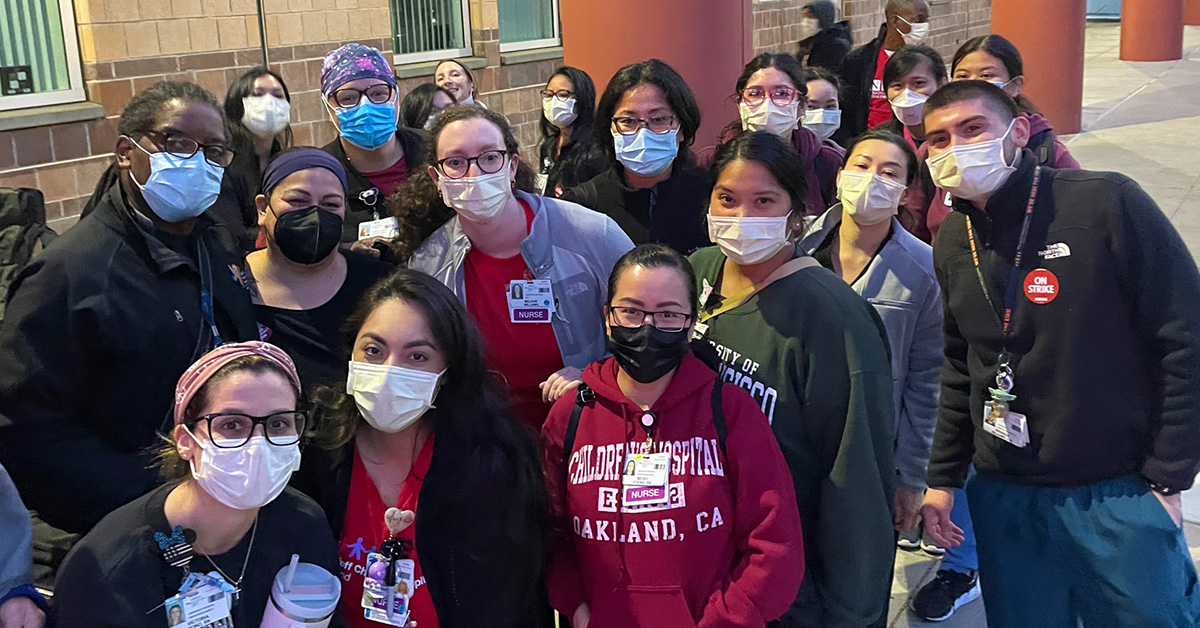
39,56
526,24
427,30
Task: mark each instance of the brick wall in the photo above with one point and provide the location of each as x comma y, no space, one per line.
776,22
126,45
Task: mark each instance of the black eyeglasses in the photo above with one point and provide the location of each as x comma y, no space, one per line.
184,147
625,316
782,96
658,124
350,97
230,431
561,94
489,162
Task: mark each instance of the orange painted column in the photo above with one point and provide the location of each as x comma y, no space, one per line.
1151,30
707,41
1191,12
1051,48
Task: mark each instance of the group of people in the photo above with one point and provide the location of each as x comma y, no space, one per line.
480,390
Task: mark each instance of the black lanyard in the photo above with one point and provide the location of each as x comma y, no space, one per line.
1010,293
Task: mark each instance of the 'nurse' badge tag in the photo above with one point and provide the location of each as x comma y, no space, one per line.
530,301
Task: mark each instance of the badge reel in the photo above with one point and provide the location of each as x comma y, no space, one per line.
645,476
998,420
390,580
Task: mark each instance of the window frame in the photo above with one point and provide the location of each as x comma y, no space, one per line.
533,44
431,55
76,92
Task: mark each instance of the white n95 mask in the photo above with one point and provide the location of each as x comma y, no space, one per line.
907,107
391,398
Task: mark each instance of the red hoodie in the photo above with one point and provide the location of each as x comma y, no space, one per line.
725,551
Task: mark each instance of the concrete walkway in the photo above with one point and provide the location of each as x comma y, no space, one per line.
1141,119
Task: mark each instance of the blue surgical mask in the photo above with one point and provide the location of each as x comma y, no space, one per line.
646,153
369,125
179,188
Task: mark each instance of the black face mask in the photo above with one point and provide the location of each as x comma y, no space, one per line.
647,353
309,235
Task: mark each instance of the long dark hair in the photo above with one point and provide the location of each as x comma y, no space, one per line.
585,110
653,72
471,416
787,64
418,204
240,137
418,104
1004,50
779,157
141,114
468,401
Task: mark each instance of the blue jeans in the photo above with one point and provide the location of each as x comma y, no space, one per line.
962,558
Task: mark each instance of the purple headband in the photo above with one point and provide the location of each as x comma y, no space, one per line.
352,62
297,159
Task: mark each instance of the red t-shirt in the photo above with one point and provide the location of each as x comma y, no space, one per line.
389,179
524,353
363,530
881,108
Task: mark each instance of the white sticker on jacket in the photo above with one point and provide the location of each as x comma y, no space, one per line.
1056,250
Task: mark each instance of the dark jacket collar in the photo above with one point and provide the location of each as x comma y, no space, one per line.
138,231
361,191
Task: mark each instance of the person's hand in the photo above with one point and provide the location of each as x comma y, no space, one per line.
908,508
368,246
936,512
565,379
1173,505
21,612
582,616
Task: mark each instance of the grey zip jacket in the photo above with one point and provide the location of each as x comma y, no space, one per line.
572,246
903,289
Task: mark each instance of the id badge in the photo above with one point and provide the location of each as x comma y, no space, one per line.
383,228
699,331
201,606
1008,426
530,301
376,592
539,182
644,481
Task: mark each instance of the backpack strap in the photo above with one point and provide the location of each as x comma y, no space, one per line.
718,414
583,396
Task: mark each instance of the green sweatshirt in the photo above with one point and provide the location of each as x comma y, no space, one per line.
814,354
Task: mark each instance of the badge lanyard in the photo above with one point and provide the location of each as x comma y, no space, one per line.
1004,375
206,295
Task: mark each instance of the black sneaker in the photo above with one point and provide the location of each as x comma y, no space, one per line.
940,597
